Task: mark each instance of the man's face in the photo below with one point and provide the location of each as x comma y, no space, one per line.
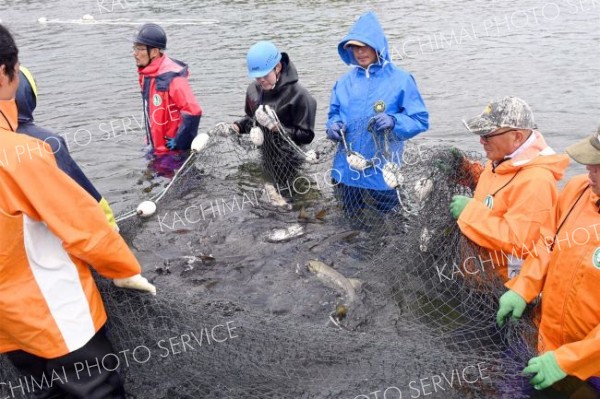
269,81
500,143
8,88
364,55
594,177
140,53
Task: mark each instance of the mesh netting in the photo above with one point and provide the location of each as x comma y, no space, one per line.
390,305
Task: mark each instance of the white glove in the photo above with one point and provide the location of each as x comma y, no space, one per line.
392,175
136,282
264,116
256,136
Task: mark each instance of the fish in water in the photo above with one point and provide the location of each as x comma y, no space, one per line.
346,236
341,311
334,279
275,198
282,235
321,214
425,239
423,189
303,215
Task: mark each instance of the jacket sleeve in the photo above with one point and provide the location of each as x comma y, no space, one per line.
246,123
304,110
39,189
413,117
67,164
580,358
334,108
519,228
530,280
183,98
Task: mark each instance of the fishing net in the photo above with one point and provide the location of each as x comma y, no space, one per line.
239,315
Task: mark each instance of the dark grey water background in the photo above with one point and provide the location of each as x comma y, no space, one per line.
462,54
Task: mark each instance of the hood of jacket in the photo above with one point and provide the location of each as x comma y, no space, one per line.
25,99
538,154
164,65
368,30
289,73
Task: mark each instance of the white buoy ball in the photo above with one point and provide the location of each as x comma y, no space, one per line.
146,208
311,156
256,136
391,175
357,162
200,142
88,17
43,20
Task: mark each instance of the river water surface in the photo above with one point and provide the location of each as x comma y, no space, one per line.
462,53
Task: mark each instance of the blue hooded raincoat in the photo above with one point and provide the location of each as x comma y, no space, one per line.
358,94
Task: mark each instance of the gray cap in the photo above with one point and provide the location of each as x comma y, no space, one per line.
586,151
510,112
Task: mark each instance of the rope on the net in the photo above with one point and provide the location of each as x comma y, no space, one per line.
312,158
387,155
184,167
160,195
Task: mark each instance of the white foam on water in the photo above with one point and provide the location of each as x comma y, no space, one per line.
125,21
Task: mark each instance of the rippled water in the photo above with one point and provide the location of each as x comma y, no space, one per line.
462,53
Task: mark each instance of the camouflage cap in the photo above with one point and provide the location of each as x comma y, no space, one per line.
586,151
511,112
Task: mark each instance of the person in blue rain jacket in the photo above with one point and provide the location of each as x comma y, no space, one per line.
372,100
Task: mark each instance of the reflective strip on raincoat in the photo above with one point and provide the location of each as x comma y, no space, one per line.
50,230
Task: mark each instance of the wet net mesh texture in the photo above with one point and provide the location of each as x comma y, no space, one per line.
405,322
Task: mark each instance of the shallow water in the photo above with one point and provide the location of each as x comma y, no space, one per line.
462,54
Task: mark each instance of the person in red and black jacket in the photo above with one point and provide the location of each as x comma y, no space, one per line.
171,112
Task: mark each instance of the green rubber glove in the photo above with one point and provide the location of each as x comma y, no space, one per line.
458,205
546,370
510,303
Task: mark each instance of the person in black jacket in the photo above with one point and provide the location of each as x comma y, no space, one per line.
26,100
276,86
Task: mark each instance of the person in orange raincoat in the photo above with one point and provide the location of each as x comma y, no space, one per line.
567,274
512,206
51,312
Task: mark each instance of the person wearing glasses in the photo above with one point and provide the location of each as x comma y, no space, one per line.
513,203
276,89
171,112
375,107
567,276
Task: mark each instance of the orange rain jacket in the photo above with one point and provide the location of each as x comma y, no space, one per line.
513,205
569,277
50,229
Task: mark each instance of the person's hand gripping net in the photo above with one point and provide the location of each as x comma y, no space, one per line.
510,304
266,116
382,122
